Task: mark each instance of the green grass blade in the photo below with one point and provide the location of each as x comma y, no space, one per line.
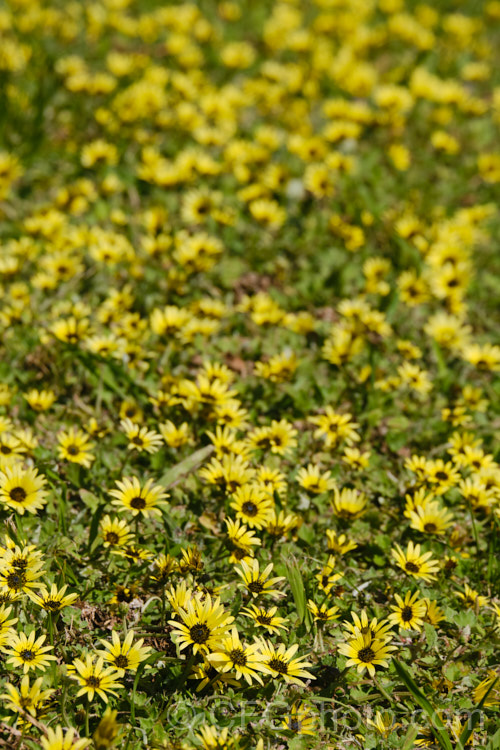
297,585
469,727
494,742
192,462
437,726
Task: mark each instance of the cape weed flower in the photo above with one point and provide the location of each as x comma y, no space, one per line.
245,661
366,652
29,652
60,739
126,655
53,600
279,661
140,438
94,679
257,582
26,697
265,618
145,500
203,625
409,613
414,563
22,489
75,446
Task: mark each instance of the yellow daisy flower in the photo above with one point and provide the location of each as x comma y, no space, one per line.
59,739
27,697
94,679
145,500
29,652
257,582
414,563
126,655
279,661
140,438
53,600
75,446
244,661
22,489
409,613
203,627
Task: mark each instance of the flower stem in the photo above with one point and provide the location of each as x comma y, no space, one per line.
186,671
51,629
382,691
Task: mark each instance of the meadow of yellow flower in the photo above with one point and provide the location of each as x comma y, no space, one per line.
249,391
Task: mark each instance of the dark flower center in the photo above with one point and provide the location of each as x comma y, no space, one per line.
412,567
18,494
121,661
249,508
238,657
278,666
263,442
53,604
138,503
133,554
93,681
27,655
430,527
73,450
294,725
16,580
112,537
264,619
406,614
255,587
199,633
366,655
441,475
124,595
203,207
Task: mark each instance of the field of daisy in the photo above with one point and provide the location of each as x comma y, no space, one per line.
249,374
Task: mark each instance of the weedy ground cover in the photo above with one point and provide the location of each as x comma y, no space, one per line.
249,393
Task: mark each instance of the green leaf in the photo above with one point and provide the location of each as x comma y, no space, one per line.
90,500
298,743
473,720
430,634
494,742
133,698
306,533
297,585
408,743
94,526
68,572
172,476
437,726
